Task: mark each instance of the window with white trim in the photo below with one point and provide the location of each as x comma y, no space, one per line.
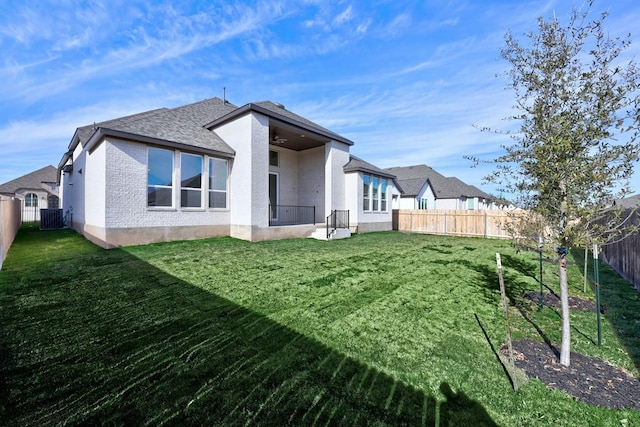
375,193
159,177
383,195
191,180
366,190
423,204
31,200
218,178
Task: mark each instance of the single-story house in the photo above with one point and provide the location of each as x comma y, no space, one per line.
37,190
207,169
425,188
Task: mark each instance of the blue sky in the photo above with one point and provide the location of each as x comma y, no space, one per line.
405,80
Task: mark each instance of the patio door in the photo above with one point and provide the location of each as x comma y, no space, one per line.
273,195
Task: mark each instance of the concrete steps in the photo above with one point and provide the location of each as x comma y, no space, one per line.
338,233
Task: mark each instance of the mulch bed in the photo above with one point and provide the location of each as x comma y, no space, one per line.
588,379
550,299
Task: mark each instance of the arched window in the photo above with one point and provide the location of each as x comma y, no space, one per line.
53,202
31,200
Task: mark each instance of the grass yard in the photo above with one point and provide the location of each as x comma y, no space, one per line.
381,329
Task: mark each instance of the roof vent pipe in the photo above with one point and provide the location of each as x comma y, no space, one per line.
279,105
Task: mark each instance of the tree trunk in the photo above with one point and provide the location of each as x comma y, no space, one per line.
565,349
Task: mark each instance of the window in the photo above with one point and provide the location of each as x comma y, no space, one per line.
366,183
218,173
383,195
159,177
274,158
31,200
470,203
374,192
423,204
53,202
190,181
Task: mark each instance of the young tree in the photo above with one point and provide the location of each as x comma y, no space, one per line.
578,109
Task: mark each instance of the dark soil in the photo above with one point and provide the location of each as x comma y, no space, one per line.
550,299
590,380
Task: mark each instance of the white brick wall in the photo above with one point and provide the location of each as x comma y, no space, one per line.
126,192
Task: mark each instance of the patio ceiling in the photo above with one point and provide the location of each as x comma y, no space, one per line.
294,138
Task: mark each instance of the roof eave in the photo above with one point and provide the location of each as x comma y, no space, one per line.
101,133
245,109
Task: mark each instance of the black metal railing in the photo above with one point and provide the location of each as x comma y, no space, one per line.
291,215
337,219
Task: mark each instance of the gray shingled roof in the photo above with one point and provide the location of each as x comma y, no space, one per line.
182,125
84,133
629,202
356,164
413,178
30,181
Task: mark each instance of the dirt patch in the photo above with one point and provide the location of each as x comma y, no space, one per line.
588,379
550,299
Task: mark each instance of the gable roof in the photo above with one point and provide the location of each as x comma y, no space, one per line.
356,164
413,178
281,114
181,126
629,202
30,181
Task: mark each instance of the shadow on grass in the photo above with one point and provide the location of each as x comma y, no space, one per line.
110,339
493,349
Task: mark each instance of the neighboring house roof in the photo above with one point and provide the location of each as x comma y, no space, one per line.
629,202
278,112
30,181
413,178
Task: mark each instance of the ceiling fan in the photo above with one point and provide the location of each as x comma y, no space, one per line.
279,140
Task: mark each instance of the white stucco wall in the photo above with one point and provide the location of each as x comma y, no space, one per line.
249,201
287,171
311,180
336,156
73,189
94,186
366,221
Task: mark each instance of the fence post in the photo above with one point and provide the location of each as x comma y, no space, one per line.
486,231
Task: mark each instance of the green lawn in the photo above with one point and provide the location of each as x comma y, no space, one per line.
382,329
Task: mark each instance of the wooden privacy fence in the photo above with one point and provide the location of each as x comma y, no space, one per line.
10,210
456,223
624,256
